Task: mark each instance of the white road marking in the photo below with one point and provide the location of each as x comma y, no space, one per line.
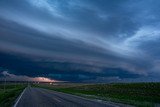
15,105
56,99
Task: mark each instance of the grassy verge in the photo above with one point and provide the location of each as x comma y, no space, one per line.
138,94
8,97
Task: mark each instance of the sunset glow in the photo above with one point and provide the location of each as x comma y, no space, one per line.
43,79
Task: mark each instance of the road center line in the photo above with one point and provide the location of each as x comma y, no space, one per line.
56,99
15,105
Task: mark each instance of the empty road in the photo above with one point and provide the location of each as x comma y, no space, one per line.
38,97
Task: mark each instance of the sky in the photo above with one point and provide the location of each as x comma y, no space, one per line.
80,40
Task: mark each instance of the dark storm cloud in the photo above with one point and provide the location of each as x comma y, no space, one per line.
59,70
110,16
80,40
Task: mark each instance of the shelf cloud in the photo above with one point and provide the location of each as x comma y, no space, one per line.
81,40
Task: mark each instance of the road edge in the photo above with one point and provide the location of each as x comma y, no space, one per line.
95,100
18,99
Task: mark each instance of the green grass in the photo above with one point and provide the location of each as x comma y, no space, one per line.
138,94
8,97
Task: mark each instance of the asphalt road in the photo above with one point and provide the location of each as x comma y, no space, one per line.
38,97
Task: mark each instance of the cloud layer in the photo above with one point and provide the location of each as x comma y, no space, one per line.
11,77
80,40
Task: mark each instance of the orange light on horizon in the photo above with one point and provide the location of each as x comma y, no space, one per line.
43,79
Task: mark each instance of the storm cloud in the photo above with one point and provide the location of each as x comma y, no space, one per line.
81,40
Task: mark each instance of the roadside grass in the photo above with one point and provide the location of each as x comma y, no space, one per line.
137,94
8,97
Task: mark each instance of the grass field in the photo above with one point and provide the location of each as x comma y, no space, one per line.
10,94
138,94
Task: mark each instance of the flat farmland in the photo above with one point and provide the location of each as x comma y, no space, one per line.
137,94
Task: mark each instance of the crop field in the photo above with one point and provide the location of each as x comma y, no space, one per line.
138,94
9,95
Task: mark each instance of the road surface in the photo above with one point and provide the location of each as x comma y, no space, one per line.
38,97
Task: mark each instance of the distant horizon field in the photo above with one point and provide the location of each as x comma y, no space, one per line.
137,94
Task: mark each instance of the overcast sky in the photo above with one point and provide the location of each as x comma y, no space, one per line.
81,40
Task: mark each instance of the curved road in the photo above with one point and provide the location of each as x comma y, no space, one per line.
38,97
